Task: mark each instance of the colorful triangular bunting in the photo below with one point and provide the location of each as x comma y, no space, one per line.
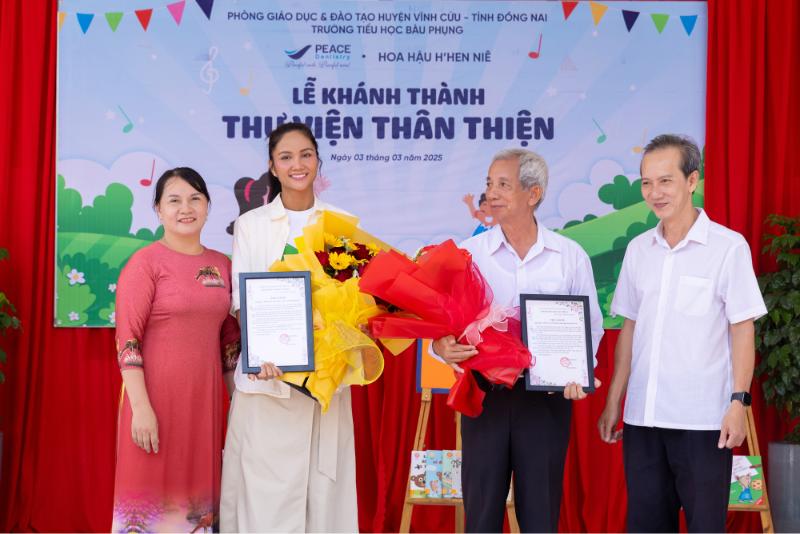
688,22
206,6
660,20
84,20
61,18
630,18
113,19
144,17
176,10
568,8
598,10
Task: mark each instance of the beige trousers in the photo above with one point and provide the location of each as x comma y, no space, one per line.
288,468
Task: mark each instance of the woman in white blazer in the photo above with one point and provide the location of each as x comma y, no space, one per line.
286,466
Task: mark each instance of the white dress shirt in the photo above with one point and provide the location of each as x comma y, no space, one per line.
259,239
683,301
554,265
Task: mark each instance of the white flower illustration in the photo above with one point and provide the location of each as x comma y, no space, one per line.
112,287
112,318
75,277
74,316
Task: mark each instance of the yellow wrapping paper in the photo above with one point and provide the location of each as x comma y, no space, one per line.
343,354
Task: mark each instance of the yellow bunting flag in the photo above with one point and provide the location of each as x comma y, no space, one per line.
61,17
598,11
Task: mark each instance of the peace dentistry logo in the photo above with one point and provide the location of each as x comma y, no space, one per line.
322,55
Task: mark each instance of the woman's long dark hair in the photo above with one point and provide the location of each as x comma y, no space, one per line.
275,138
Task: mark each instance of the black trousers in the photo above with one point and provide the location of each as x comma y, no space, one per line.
523,432
667,469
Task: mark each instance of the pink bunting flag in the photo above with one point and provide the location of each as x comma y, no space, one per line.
176,10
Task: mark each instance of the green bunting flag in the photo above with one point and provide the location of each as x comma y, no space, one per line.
113,19
660,20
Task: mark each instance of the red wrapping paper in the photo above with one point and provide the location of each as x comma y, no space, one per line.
446,292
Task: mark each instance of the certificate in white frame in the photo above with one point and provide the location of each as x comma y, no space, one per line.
557,331
277,321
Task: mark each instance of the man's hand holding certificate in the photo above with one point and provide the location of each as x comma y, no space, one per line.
556,329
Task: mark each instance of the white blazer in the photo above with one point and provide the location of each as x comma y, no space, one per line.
259,238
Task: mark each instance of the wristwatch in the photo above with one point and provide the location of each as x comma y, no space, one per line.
743,397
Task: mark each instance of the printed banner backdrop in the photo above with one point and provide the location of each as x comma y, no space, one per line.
409,101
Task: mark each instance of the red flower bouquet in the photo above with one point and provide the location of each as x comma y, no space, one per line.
344,258
448,295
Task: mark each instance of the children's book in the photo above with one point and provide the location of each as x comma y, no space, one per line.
447,474
747,481
417,474
433,474
451,475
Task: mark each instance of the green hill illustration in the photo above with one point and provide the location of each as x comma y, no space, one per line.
93,244
605,239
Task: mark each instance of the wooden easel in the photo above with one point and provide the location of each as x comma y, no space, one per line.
752,446
419,445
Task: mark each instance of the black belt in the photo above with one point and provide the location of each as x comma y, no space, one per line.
485,385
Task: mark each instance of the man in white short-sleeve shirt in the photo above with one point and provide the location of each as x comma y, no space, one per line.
519,431
685,354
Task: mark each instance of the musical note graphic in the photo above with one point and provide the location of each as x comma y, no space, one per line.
638,149
128,127
534,55
602,137
147,181
244,91
208,74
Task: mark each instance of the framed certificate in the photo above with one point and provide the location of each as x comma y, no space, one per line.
277,321
557,331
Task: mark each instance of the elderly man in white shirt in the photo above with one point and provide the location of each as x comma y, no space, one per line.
685,354
519,431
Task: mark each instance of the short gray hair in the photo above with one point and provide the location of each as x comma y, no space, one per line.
690,153
532,168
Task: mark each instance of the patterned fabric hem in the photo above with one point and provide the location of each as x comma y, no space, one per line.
153,514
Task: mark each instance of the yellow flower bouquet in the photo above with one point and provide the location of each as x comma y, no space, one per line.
335,251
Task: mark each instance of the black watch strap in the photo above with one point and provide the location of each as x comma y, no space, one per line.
743,397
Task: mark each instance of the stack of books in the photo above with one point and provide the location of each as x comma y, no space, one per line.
435,474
